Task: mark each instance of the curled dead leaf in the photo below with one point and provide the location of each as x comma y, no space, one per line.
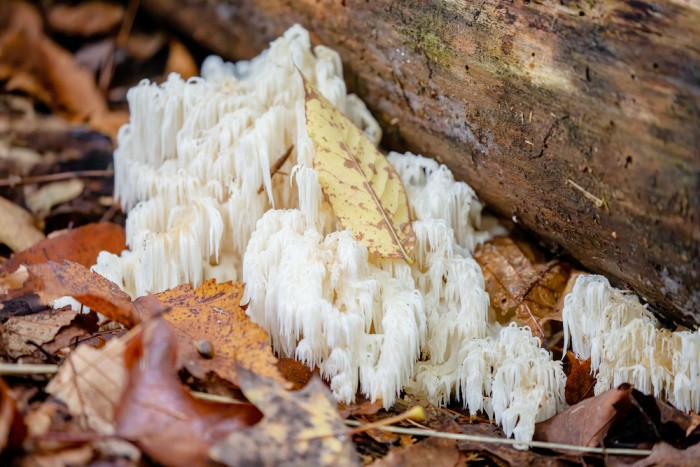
159,415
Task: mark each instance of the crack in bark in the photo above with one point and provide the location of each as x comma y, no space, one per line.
548,135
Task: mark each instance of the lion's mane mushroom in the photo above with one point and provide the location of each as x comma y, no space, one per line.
193,166
626,344
195,169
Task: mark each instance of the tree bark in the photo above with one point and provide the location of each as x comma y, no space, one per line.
578,120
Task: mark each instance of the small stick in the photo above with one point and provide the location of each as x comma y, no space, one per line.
493,440
414,413
26,369
599,203
278,165
17,181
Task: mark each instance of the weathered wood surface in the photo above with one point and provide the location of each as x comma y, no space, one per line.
578,119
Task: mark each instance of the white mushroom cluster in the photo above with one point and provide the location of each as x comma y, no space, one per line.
217,177
193,166
626,344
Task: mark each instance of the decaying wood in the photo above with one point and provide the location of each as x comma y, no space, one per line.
580,120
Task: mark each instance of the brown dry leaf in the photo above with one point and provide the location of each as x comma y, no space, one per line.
12,427
295,372
22,335
12,280
33,63
211,313
53,280
522,286
42,200
360,407
80,245
299,428
159,415
579,382
501,454
358,182
85,18
91,382
17,229
663,454
435,452
81,455
180,61
586,423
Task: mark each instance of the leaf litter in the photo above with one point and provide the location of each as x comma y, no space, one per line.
132,384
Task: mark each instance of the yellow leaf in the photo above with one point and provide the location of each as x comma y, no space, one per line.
209,316
298,428
359,183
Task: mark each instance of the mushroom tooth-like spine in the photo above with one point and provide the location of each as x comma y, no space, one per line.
626,344
325,303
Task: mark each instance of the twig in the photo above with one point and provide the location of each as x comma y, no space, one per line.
205,396
277,165
26,369
599,203
414,413
17,181
493,440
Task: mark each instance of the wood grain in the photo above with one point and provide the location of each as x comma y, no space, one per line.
578,119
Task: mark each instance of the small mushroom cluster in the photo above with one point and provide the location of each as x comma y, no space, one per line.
626,344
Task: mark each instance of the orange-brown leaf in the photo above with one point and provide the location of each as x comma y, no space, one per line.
212,313
80,245
54,280
523,286
159,415
35,64
580,381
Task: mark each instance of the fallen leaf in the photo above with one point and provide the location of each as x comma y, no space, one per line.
143,46
81,455
42,200
91,382
500,454
12,427
211,313
663,454
17,229
22,335
299,428
80,245
54,280
159,415
579,382
295,372
521,285
435,452
12,280
358,182
33,63
180,61
85,18
586,423
360,407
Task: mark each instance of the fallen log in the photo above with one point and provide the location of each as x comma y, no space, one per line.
579,121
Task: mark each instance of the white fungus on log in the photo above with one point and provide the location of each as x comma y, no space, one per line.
217,177
626,344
